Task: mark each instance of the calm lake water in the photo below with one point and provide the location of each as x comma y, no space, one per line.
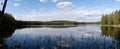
61,37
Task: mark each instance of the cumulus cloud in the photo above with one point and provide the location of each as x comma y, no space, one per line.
43,1
54,0
64,4
73,15
16,4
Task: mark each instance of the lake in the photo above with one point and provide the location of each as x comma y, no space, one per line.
61,37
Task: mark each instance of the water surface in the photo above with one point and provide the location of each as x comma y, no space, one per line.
61,37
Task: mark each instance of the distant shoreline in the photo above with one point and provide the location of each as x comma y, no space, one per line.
52,23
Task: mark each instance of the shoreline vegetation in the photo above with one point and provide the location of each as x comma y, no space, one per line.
57,23
111,25
112,19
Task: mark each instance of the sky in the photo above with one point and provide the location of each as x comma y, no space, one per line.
72,10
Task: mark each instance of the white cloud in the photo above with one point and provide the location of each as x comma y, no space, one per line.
18,0
64,4
73,15
54,0
16,4
43,1
118,0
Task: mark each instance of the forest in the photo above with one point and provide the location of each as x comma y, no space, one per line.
56,22
111,19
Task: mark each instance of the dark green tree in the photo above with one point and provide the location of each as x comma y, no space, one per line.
110,19
104,20
116,17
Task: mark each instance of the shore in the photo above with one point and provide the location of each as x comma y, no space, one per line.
111,25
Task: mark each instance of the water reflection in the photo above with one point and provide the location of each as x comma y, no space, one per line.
113,32
80,37
48,26
5,33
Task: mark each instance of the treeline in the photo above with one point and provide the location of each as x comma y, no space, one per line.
111,19
45,23
7,20
60,22
88,22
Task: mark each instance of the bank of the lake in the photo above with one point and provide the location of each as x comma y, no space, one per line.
56,23
111,25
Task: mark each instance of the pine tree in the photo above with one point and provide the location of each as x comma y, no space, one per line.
116,17
104,20
110,19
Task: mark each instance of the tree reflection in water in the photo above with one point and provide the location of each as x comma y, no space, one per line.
5,33
113,32
109,39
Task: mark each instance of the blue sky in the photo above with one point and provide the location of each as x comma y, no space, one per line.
73,10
